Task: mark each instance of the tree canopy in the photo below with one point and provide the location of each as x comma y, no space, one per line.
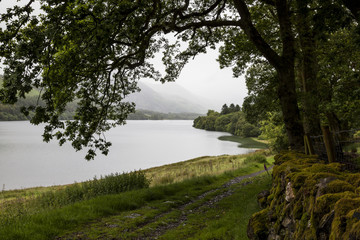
95,51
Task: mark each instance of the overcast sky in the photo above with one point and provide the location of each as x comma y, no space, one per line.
201,76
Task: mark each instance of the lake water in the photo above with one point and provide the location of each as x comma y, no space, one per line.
26,161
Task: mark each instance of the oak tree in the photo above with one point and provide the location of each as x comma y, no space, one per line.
94,51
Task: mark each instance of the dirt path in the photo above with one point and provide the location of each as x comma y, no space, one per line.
199,205
224,190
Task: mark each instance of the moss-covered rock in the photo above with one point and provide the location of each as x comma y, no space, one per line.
309,199
258,226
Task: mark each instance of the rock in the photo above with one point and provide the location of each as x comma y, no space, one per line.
323,184
324,226
286,222
289,194
133,215
263,194
326,221
356,215
273,236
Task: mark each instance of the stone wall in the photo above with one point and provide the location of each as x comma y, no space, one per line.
308,200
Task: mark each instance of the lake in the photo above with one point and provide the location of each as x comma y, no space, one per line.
26,161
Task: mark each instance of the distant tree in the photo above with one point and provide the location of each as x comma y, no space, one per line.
233,123
222,122
232,108
224,109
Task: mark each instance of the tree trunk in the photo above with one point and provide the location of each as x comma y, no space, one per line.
283,64
289,107
308,71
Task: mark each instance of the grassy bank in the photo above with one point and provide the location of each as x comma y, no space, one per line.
245,142
173,184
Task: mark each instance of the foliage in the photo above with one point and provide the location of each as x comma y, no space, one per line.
273,130
339,94
206,122
233,122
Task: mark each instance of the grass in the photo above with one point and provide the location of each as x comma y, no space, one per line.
202,166
229,219
23,221
245,142
226,220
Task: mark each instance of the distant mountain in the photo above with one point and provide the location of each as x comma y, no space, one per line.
150,115
155,101
166,98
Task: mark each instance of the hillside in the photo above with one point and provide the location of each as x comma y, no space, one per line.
154,102
141,114
166,98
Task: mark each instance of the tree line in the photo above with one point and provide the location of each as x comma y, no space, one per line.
230,119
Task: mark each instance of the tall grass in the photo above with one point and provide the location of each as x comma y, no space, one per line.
110,184
205,166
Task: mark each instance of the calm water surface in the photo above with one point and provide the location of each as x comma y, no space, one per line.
26,161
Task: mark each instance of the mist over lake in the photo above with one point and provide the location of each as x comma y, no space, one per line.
26,161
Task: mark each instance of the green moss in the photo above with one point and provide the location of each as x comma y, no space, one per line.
354,231
326,202
270,197
298,209
354,179
307,209
302,226
322,175
258,224
342,225
298,179
325,168
262,201
337,186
